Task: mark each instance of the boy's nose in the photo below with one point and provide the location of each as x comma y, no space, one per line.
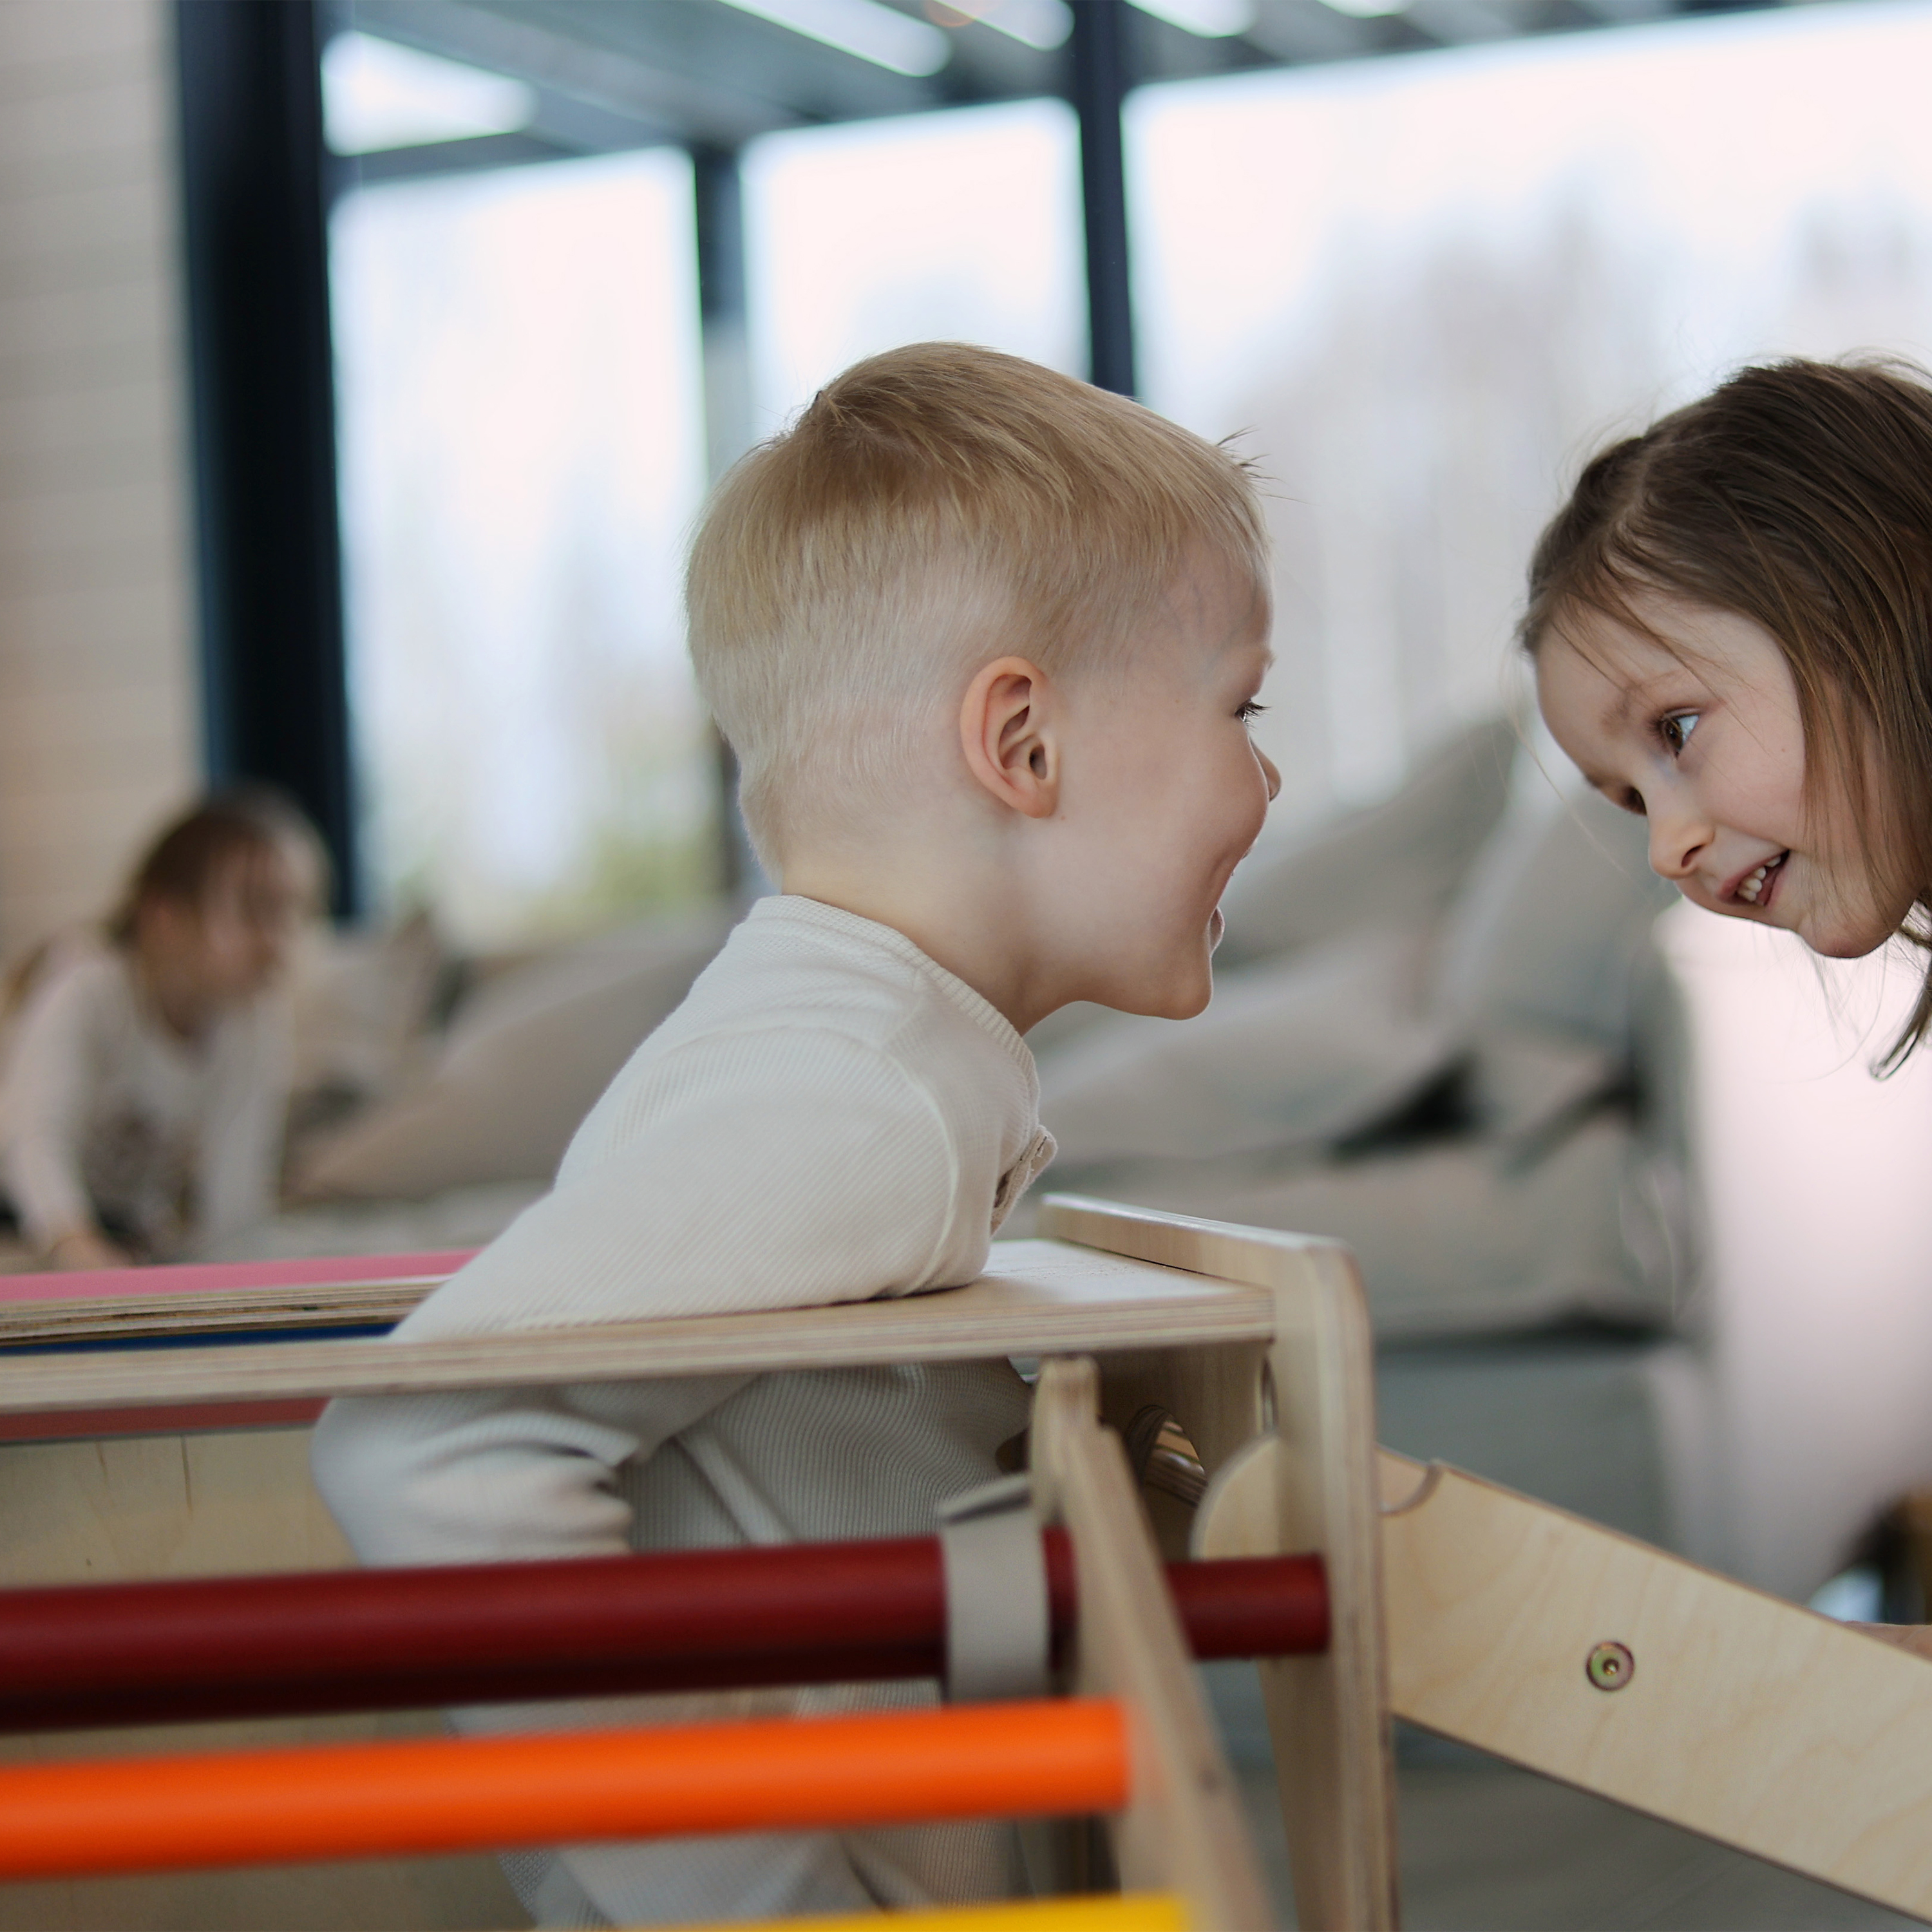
1271,774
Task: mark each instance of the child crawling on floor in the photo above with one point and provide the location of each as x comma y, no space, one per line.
986,642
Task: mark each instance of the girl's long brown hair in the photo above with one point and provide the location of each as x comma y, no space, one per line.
1798,495
252,822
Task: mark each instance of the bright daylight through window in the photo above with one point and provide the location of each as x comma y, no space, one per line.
1422,286
1425,287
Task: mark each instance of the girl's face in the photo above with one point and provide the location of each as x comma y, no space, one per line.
234,942
1700,734
249,917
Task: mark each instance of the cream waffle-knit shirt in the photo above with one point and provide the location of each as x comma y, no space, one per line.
829,1116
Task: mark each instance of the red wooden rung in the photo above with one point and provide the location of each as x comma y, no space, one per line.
339,1640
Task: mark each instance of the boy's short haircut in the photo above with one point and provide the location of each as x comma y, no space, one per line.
932,507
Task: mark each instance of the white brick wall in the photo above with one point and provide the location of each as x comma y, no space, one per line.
98,691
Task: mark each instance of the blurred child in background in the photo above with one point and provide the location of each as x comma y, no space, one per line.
146,1071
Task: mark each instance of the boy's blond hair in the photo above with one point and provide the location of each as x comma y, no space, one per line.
934,507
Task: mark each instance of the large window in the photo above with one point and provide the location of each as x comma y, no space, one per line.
522,454
1425,287
521,397
959,226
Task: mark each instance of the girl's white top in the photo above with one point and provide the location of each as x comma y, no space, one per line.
829,1116
107,1114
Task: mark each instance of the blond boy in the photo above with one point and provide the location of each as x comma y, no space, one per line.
986,642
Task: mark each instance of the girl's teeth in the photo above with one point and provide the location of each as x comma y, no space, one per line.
1752,886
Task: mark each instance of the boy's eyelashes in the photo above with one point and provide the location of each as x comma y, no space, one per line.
1248,712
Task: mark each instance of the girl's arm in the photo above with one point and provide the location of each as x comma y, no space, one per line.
240,1153
48,1080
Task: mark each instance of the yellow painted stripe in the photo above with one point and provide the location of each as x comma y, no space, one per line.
1144,1912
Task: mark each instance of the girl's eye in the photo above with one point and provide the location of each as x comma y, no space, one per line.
1249,711
1676,728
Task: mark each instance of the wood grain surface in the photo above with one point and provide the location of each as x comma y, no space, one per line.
1758,1724
1037,1298
1182,1831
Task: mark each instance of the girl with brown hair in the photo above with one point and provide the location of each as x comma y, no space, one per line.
147,1071
1731,623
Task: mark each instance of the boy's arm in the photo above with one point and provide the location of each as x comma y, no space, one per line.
766,1170
498,1473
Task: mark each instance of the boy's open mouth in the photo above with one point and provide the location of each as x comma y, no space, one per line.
1216,925
1755,888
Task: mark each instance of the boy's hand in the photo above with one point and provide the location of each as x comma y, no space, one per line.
1916,1638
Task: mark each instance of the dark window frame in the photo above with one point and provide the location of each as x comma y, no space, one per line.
275,687
256,180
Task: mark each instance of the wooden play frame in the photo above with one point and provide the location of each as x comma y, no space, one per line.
1454,1604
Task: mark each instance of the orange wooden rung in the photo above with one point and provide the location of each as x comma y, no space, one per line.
1036,1760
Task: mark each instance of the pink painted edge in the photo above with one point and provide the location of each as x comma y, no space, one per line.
101,1284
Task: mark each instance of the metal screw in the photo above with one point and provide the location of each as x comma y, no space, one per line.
1610,1666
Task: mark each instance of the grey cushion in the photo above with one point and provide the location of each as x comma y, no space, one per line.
1404,858
1601,1425
1553,928
523,1064
1458,1237
1289,1055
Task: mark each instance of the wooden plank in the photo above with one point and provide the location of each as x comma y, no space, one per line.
1037,1298
1183,1829
1742,1717
105,1304
1308,1484
208,1505
72,1323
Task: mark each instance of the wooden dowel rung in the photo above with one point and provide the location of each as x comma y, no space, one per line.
1044,1758
119,1654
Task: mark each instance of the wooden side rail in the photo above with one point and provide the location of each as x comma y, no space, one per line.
1183,1828
1595,1659
1288,1428
1037,1297
107,1654
356,1801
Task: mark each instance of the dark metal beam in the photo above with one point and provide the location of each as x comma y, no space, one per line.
717,188
275,701
1101,77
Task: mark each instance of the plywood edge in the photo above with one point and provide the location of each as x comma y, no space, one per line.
1184,1828
1252,1257
958,1324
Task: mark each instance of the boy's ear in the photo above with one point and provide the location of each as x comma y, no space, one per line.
1008,731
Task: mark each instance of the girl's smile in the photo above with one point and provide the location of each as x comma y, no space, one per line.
1694,723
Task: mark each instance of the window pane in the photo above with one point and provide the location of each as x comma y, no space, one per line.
1429,285
960,226
521,455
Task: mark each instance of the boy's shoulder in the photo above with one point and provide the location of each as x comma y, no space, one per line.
810,1011
796,963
